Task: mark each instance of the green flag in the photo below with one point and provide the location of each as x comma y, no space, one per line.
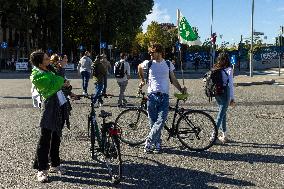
187,35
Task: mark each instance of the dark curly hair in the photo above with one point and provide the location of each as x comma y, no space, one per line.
36,58
223,61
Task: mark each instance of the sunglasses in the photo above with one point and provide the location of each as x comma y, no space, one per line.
152,52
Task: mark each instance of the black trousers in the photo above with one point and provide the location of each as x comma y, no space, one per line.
47,149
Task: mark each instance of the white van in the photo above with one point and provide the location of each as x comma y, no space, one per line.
22,64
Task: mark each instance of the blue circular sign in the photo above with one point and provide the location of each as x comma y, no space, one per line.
4,45
49,51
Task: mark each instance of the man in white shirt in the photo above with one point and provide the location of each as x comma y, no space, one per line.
122,81
158,94
85,69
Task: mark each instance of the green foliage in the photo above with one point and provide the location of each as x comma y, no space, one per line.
84,21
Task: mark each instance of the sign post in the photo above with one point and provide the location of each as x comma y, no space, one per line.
233,62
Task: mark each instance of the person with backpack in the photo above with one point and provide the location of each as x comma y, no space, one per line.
99,74
222,79
122,75
160,72
84,67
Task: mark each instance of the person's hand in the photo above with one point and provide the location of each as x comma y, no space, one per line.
183,90
232,103
66,83
142,83
74,96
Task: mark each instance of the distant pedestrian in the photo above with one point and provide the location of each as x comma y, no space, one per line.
99,73
84,68
49,87
196,62
227,98
107,66
122,78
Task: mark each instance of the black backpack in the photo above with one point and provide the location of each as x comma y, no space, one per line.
214,85
119,70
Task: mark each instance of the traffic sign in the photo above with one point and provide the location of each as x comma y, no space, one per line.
4,45
258,33
103,45
233,59
81,47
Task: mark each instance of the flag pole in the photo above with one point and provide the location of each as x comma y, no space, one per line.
180,59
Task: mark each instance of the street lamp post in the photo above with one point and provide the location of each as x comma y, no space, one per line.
61,35
280,49
251,47
211,32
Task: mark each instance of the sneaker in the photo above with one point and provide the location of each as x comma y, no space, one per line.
157,148
85,93
148,148
121,105
124,101
60,170
42,176
223,139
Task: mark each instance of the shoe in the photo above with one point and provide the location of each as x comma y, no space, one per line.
124,101
223,139
42,176
148,148
157,148
85,93
60,170
120,105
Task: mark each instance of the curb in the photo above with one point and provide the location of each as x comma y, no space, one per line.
267,82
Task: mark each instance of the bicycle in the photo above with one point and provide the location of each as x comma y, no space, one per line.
195,129
105,142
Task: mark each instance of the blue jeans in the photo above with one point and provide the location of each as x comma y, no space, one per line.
223,103
105,84
85,80
158,108
97,94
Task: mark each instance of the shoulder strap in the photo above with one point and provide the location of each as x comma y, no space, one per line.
227,76
147,74
169,65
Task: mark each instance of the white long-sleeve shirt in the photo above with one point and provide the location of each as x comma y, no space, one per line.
229,71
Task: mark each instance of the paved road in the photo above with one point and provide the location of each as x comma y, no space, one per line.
253,160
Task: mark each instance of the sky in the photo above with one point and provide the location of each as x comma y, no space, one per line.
231,18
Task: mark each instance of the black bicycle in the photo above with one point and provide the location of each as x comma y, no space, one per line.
105,143
195,129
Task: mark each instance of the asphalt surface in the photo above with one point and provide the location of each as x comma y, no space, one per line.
253,159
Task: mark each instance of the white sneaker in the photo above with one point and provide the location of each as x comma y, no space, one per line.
60,170
157,148
148,147
42,176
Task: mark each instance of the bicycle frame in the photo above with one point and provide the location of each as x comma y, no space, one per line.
177,111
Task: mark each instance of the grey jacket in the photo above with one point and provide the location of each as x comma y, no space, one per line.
85,64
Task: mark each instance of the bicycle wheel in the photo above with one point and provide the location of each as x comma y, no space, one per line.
196,130
113,157
134,126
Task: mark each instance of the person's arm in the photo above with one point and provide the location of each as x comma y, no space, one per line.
231,86
140,74
176,83
128,70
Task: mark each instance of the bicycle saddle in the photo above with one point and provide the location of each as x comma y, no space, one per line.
105,114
